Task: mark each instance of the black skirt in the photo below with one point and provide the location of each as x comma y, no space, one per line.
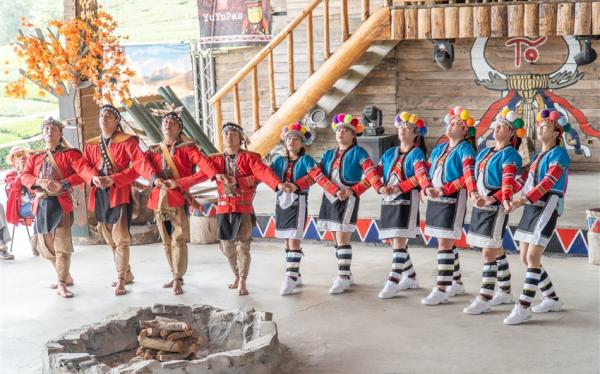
104,213
290,222
445,216
229,225
338,215
487,227
538,221
48,215
400,217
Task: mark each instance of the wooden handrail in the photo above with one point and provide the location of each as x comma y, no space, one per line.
232,86
263,52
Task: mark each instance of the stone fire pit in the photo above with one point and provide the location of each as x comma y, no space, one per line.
239,341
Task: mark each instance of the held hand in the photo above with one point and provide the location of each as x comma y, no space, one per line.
475,197
432,192
170,184
106,181
506,205
341,195
222,178
96,181
516,205
42,182
158,182
489,200
291,187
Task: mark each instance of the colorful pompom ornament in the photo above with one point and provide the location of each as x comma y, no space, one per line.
457,110
472,131
404,116
296,127
511,116
567,127
423,131
520,132
412,119
307,135
504,112
447,119
419,123
562,121
554,115
518,123
360,128
347,118
354,121
470,122
545,113
538,117
464,115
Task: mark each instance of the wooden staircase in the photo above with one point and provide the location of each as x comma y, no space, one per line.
325,86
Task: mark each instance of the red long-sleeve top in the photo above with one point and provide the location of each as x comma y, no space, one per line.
130,163
185,156
72,166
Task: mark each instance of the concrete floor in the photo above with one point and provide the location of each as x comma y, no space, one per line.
349,333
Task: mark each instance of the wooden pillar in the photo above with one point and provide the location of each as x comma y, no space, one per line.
438,29
398,24
482,21
530,20
596,18
547,19
465,22
410,22
499,21
583,18
564,19
424,23
515,20
451,22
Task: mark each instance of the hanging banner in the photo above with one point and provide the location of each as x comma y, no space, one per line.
234,23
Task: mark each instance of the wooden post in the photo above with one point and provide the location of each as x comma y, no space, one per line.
410,21
365,9
326,51
344,19
309,44
438,28
290,45
596,18
451,22
465,22
236,105
397,24
424,23
255,98
515,20
272,84
547,19
482,21
583,18
499,21
530,20
218,124
564,19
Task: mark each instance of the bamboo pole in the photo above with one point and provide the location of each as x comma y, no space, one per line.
309,44
263,52
365,10
272,84
326,48
583,18
564,18
515,20
255,98
236,106
290,49
218,124
344,19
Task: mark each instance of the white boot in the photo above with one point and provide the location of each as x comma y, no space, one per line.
518,315
288,286
478,306
339,285
436,297
548,305
390,289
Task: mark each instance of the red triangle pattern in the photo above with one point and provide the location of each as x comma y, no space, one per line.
363,225
270,230
566,237
462,242
426,238
327,235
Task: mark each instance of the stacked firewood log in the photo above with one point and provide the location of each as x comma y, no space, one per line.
166,339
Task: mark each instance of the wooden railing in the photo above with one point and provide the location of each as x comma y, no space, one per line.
287,34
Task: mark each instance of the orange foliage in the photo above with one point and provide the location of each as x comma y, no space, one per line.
71,52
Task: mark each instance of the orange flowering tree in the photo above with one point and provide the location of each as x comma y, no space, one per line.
72,54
